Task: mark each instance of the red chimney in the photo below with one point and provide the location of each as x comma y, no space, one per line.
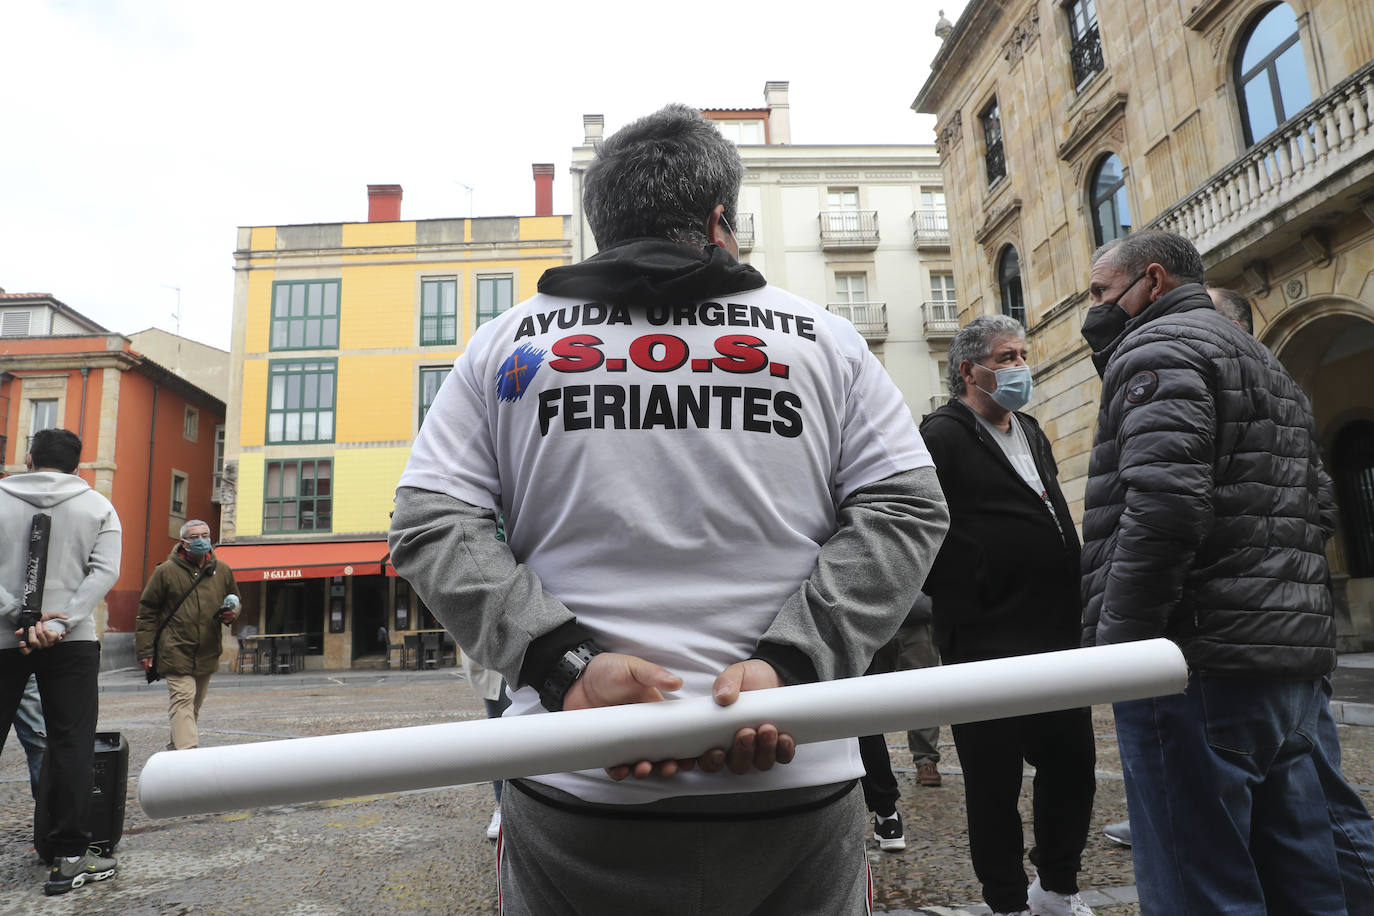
543,189
383,203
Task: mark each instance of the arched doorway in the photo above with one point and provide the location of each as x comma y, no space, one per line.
1328,347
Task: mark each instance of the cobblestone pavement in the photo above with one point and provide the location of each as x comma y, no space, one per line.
426,852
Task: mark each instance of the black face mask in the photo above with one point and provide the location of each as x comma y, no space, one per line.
1105,322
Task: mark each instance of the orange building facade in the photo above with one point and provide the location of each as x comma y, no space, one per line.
149,444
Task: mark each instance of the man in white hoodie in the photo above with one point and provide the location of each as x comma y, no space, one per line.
82,551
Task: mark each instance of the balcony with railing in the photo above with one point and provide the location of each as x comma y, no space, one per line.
849,230
744,231
1086,56
869,318
940,319
930,228
1324,152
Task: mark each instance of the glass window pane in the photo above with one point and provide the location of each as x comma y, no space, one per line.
277,399
504,289
293,426
1270,32
326,424
327,387
329,334
1108,175
331,298
276,424
316,299
310,397
1123,210
279,334
288,516
273,480
307,427
1259,106
293,390
1292,73
429,298
271,521
297,299
288,479
297,338
449,289
282,303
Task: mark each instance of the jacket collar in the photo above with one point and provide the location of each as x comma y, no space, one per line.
649,272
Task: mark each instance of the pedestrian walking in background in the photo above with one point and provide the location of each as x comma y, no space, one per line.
188,601
31,731
709,486
1005,584
1204,522
916,649
80,553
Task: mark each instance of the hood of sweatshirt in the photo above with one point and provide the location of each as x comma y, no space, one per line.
44,489
649,272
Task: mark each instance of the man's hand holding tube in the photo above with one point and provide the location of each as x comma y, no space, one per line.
38,636
613,679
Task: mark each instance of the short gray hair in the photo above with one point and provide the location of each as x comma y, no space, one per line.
1138,250
1234,306
974,343
191,522
660,177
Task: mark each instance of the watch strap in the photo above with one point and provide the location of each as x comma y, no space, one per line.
565,672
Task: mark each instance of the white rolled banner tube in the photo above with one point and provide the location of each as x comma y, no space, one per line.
297,770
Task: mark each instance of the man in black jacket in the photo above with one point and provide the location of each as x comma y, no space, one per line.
1203,523
1006,583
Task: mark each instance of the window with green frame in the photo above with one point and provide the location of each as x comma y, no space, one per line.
300,400
430,380
439,311
305,315
493,297
298,496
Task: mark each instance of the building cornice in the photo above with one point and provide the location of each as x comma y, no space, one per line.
1090,123
997,220
1204,13
962,45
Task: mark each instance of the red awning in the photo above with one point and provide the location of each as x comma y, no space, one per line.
279,562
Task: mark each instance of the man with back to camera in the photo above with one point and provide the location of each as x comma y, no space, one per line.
82,563
709,485
1006,583
1204,523
188,601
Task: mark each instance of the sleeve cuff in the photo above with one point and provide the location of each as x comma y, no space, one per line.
545,651
791,663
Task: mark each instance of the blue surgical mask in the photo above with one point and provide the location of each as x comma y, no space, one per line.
198,547
1014,387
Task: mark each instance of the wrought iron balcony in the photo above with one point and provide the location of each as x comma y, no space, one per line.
1086,56
869,318
930,228
852,230
940,319
996,162
744,231
1286,176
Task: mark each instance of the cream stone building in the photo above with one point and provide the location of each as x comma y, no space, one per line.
860,228
1242,124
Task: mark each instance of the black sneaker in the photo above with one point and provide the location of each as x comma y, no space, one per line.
66,876
888,832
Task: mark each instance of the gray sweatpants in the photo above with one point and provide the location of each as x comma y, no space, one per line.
683,859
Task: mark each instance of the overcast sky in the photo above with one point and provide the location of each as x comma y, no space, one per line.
138,134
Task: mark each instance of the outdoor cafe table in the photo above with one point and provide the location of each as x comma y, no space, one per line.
273,647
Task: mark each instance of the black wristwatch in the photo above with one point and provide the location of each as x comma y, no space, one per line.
565,673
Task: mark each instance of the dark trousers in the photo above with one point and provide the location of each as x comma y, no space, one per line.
1060,746
67,682
879,785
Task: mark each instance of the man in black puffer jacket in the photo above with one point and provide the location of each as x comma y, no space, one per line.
1203,523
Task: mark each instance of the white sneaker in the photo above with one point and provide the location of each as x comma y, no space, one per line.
1048,903
494,828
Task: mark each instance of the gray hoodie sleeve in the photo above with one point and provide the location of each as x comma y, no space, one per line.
102,570
448,551
865,580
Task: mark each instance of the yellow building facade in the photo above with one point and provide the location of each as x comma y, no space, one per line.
342,334
1245,125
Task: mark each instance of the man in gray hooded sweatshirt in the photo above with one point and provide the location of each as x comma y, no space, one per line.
61,649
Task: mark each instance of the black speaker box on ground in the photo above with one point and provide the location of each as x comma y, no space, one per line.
109,790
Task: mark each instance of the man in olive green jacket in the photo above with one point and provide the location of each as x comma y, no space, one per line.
188,651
